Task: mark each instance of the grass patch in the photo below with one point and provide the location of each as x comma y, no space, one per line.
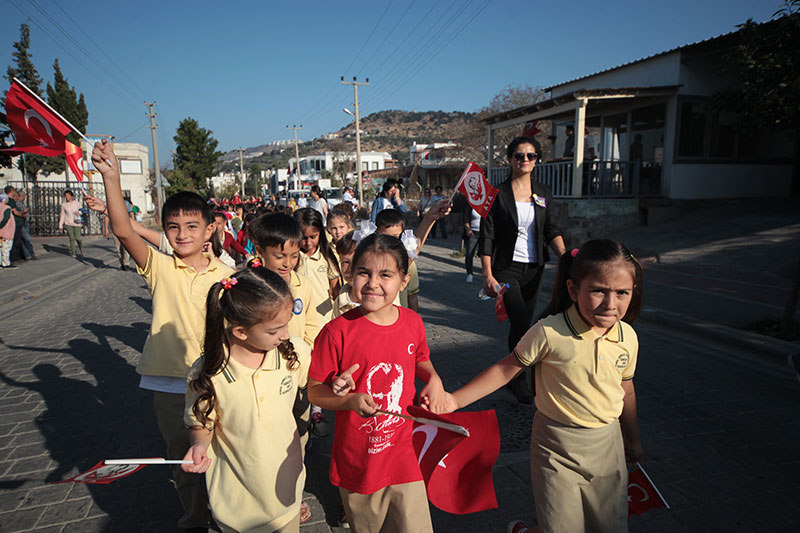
457,254
771,327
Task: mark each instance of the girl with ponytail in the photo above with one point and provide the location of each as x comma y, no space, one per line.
239,404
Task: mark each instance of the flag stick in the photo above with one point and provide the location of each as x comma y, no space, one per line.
444,425
639,466
149,461
56,113
458,184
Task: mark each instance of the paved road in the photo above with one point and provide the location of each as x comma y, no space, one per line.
718,421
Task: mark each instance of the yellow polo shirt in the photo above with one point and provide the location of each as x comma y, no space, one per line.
413,284
304,322
256,478
316,269
179,312
579,373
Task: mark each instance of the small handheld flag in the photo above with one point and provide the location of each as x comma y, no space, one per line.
642,493
110,470
479,192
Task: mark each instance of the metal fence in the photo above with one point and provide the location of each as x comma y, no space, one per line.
44,200
601,179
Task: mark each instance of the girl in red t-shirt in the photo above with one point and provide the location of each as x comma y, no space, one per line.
364,364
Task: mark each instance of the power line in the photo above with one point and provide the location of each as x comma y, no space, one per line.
131,134
387,35
375,27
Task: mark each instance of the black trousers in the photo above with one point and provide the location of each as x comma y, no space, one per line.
525,281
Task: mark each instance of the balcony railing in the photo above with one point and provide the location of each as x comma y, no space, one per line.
608,179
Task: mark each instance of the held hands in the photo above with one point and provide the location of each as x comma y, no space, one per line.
104,159
198,454
437,400
343,383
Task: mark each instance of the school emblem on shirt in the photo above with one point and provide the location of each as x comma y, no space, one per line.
539,200
297,308
286,385
622,360
322,268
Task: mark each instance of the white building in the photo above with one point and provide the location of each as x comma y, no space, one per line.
311,166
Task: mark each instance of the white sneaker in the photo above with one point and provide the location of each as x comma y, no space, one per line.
469,278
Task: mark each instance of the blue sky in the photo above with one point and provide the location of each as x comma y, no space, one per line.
247,69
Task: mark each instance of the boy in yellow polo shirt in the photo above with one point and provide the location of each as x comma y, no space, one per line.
179,285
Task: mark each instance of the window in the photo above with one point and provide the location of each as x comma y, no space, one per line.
130,166
691,139
374,165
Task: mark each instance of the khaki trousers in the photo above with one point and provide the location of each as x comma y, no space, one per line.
580,482
191,487
394,509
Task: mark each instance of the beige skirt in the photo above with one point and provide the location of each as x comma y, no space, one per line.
579,477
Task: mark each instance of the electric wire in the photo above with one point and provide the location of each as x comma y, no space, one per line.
375,27
375,51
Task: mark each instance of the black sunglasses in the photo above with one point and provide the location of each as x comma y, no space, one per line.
520,156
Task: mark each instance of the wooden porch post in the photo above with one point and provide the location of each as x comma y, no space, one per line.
577,161
490,154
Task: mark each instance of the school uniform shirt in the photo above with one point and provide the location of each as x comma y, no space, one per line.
413,284
179,312
578,372
372,453
304,322
256,477
316,269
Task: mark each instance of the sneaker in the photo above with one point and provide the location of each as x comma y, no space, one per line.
469,278
517,526
10,267
794,362
305,513
319,426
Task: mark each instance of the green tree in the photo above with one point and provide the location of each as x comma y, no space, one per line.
179,181
24,70
766,64
65,100
252,185
196,153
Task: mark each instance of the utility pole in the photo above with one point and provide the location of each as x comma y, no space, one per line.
159,183
355,85
241,169
297,159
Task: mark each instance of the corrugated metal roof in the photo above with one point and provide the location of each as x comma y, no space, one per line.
633,62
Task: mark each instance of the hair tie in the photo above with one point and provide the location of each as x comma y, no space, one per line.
255,263
228,283
409,240
367,229
574,252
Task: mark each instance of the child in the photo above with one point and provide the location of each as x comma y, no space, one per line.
373,461
339,223
584,356
179,284
318,263
7,228
345,249
239,402
391,222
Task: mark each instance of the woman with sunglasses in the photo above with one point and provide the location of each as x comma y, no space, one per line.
513,244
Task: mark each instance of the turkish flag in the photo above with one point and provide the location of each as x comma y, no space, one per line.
103,474
458,470
74,159
642,494
479,192
530,129
37,128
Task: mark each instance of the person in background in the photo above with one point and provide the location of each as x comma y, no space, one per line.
302,201
471,234
7,227
441,223
569,143
19,220
389,198
71,221
25,231
425,203
121,253
319,203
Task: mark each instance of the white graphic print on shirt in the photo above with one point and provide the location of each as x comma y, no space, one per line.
385,385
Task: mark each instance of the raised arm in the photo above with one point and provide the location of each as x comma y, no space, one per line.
439,210
106,162
150,235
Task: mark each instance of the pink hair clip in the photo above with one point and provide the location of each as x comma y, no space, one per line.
255,263
574,252
228,283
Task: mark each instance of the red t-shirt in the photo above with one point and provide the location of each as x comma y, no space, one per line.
372,453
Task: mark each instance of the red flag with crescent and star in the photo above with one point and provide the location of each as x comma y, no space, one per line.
457,470
37,128
479,192
74,159
642,493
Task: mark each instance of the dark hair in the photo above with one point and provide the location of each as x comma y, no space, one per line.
68,192
313,218
514,144
346,244
341,211
258,295
383,244
588,260
316,189
186,202
388,218
275,230
8,189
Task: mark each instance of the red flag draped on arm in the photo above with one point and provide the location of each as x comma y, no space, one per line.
479,192
37,128
457,469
